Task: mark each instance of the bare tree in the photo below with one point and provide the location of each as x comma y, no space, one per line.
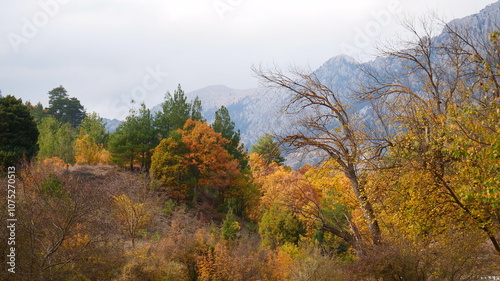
424,87
323,122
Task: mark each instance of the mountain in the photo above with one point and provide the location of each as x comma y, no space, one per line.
111,124
256,111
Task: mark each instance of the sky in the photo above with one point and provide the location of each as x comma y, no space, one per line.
109,52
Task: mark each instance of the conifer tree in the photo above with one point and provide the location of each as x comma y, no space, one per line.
18,132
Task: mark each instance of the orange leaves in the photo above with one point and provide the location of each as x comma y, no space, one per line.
197,161
214,166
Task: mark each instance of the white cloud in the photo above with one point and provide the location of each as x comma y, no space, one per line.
100,49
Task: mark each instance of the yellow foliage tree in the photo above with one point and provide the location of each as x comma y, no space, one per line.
132,216
89,152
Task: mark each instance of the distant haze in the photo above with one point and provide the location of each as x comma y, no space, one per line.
108,52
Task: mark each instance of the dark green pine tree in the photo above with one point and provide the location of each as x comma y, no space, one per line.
65,109
134,140
57,102
18,132
223,125
175,110
74,113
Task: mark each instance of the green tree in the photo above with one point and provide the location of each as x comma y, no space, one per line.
18,132
175,111
268,149
93,126
223,125
279,226
134,139
37,111
56,139
64,108
230,227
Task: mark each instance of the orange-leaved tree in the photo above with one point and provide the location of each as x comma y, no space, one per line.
194,163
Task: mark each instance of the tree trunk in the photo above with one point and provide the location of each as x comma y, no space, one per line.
366,206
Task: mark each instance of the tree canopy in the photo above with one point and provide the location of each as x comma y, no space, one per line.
223,125
268,148
18,131
65,109
134,139
175,111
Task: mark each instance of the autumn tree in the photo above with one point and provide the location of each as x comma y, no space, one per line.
443,100
325,123
314,196
280,226
167,166
89,147
196,159
87,151
132,216
93,126
68,227
18,132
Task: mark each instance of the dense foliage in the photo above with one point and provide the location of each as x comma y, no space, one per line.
18,132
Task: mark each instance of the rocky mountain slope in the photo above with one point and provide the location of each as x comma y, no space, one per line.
256,111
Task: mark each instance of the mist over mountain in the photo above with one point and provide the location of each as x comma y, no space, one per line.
255,111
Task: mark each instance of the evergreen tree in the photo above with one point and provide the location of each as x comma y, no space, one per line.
75,112
57,102
93,126
18,132
176,110
230,227
64,108
268,149
196,109
223,124
134,139
37,111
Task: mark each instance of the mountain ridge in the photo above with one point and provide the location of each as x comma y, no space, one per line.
255,111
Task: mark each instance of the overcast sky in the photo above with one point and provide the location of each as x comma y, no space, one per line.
106,52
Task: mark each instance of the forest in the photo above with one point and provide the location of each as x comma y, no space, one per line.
409,190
